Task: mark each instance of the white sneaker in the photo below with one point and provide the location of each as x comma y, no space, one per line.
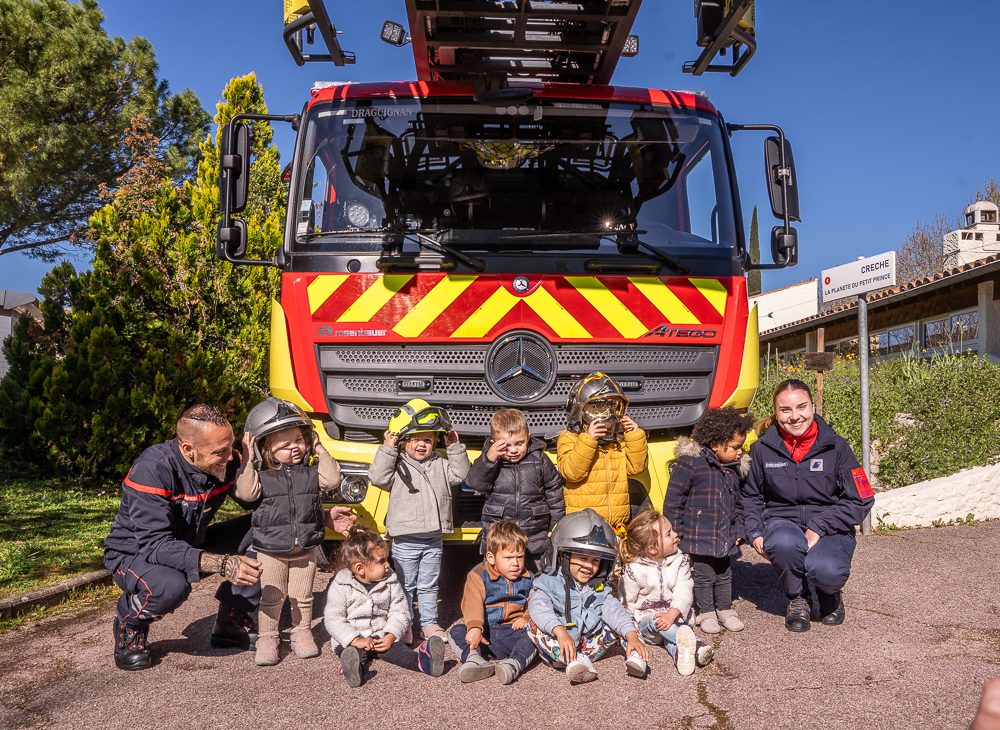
635,665
687,645
581,670
704,655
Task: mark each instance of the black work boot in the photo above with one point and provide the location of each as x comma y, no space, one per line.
797,615
234,629
831,608
130,646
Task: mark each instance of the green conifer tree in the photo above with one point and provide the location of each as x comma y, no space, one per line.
753,278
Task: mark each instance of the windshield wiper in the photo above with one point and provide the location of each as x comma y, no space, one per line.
614,237
423,240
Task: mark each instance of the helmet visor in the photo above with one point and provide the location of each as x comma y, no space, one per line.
428,419
603,409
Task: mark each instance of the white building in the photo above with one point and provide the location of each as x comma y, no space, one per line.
12,305
978,239
788,304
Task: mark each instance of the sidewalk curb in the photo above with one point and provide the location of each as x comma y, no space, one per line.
51,595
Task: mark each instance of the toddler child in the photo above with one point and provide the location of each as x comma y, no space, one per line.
575,616
705,507
420,485
656,587
600,450
521,483
288,469
494,609
366,613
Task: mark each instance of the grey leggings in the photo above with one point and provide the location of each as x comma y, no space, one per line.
713,583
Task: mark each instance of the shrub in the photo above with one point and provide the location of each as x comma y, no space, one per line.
929,418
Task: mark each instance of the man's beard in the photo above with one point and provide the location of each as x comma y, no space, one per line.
218,472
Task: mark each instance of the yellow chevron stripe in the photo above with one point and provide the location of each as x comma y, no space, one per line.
321,288
713,291
374,298
660,295
609,306
554,314
430,307
489,313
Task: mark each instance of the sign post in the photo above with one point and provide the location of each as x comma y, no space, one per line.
858,278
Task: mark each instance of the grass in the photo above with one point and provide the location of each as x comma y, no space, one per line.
50,531
96,595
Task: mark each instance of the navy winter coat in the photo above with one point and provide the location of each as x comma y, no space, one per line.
827,492
703,501
529,492
167,504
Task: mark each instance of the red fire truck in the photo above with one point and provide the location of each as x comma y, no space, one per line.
508,222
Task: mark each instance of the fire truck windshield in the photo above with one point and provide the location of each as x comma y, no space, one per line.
490,177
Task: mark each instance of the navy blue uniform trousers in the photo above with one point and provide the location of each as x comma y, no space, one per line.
505,643
150,591
824,568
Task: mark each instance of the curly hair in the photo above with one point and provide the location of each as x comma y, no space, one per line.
718,425
361,546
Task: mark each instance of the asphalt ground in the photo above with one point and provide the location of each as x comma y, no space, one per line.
922,637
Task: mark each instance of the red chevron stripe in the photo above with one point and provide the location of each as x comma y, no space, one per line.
463,307
405,299
345,296
695,301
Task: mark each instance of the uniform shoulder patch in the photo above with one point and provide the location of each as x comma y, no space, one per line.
862,484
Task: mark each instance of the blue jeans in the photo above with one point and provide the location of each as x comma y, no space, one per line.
652,635
418,564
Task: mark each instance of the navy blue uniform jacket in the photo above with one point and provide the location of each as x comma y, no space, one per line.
167,504
827,492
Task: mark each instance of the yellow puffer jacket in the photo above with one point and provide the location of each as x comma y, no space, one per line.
597,476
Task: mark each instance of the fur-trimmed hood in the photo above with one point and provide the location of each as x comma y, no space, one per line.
687,446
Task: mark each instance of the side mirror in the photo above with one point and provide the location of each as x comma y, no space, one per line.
784,246
234,167
781,184
231,240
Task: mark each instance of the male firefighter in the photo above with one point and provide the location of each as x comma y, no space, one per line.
160,544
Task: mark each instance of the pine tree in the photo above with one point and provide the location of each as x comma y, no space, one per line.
158,324
753,278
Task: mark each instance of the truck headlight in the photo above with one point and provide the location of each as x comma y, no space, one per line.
353,488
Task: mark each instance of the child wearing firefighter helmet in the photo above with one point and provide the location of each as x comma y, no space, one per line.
601,448
575,615
420,485
289,468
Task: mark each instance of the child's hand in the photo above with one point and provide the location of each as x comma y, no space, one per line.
665,619
474,637
340,519
567,647
317,445
497,449
390,439
384,644
365,643
758,545
628,424
634,643
451,438
521,622
246,451
598,429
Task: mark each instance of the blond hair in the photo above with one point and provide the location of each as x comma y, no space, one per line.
505,534
640,536
507,421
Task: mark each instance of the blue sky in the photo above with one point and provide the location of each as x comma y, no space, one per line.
891,107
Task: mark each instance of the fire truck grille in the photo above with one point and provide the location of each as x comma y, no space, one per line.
668,386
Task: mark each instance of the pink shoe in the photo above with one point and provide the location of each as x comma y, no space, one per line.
303,644
431,630
267,651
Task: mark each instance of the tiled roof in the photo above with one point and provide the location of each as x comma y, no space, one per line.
892,291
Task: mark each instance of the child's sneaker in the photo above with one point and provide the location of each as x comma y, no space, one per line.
303,644
703,657
581,670
687,646
267,651
475,668
730,621
430,656
432,630
507,671
350,666
635,665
